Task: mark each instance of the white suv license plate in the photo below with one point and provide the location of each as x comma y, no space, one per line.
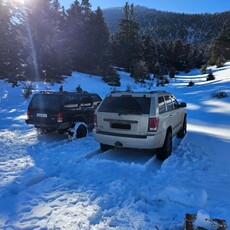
42,115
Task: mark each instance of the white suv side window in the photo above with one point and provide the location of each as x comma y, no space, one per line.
175,103
169,103
161,103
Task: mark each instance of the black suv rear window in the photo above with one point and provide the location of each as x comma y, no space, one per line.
95,97
126,105
45,102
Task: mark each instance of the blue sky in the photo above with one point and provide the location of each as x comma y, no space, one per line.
181,6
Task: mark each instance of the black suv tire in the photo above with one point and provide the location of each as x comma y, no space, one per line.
81,131
78,130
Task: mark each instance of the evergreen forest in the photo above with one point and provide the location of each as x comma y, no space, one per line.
40,40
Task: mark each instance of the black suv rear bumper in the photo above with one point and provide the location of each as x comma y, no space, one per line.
53,126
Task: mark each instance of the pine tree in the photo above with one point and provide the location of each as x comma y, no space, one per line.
219,49
181,53
72,31
127,42
140,72
99,43
163,63
78,31
150,54
166,55
44,56
198,55
88,40
86,6
9,44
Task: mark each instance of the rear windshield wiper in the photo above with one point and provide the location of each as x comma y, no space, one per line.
130,111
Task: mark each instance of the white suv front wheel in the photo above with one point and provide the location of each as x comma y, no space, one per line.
183,130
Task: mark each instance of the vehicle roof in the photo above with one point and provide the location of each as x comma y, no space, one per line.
139,94
49,92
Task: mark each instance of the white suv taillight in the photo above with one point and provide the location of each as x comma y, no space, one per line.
95,120
153,124
59,117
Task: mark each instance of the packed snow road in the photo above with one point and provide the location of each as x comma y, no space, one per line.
54,155
36,167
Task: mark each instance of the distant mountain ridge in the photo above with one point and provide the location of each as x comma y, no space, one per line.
169,26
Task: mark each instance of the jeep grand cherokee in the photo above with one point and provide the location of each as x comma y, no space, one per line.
142,120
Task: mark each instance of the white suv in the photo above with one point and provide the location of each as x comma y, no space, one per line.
141,120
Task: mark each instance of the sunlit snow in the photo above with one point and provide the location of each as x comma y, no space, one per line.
50,182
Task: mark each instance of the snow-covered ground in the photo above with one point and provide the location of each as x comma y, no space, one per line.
49,182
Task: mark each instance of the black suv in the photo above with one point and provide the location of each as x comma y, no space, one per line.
63,111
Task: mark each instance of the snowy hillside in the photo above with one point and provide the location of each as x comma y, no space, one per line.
49,182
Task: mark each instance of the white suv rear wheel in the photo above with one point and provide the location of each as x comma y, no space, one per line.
166,150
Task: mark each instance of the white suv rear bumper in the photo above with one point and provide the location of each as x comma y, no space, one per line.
125,141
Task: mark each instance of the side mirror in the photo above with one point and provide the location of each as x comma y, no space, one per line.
183,104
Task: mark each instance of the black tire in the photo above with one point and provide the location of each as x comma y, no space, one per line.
105,147
81,131
183,130
166,150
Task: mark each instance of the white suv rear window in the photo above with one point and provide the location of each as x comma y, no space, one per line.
126,105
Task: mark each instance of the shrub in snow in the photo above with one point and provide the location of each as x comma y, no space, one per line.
159,83
172,73
203,69
111,77
140,72
162,81
191,83
210,76
150,85
219,62
166,80
28,89
14,83
220,95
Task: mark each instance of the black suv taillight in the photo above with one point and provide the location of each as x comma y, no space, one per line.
27,114
153,124
59,117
